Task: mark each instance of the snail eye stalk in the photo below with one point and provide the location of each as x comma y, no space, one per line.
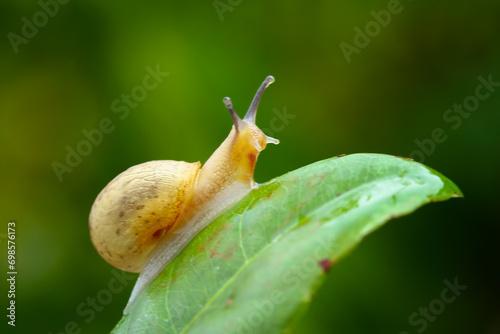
252,111
238,123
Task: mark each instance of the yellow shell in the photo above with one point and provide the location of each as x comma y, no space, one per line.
137,208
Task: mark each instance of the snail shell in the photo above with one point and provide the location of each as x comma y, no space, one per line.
137,208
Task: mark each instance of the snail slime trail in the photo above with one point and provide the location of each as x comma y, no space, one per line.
146,215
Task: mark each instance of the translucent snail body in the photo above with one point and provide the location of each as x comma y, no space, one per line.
145,216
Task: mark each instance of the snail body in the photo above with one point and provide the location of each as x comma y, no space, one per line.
146,215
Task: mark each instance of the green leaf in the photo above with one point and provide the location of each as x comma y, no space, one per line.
255,268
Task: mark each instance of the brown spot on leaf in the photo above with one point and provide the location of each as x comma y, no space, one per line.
216,254
325,265
228,253
140,207
121,214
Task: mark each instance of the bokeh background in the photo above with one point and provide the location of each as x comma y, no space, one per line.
394,91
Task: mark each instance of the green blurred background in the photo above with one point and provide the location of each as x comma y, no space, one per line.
392,92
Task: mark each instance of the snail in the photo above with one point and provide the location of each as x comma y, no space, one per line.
146,215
